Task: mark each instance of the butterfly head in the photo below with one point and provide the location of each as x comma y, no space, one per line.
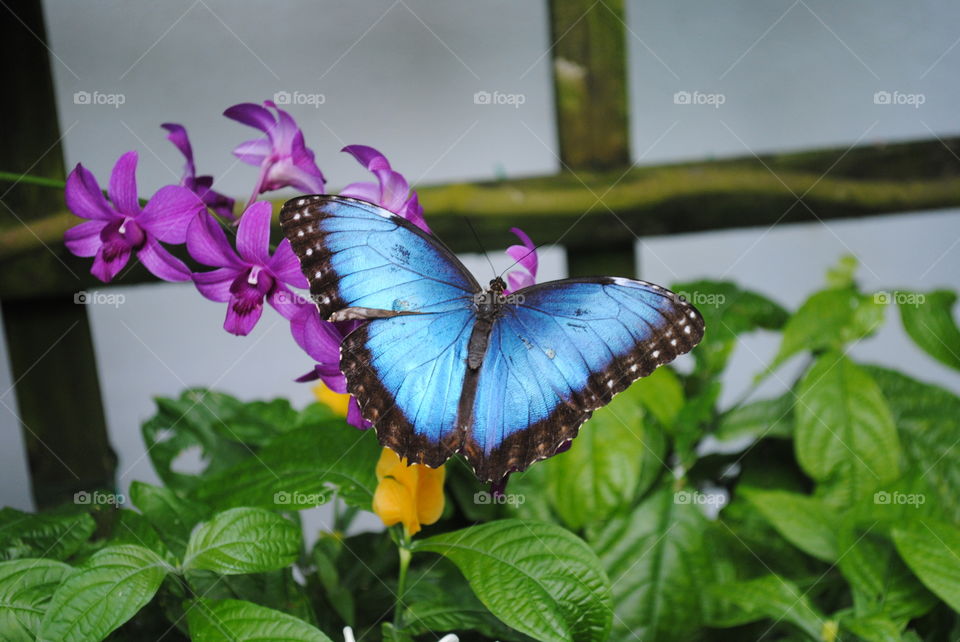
498,285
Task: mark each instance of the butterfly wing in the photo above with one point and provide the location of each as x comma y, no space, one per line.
406,370
355,254
564,349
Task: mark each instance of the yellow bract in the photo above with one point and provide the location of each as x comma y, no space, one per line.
336,401
408,495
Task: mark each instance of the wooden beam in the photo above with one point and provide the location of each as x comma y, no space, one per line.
589,57
646,201
48,337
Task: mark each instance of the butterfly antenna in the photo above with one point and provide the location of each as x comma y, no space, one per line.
480,243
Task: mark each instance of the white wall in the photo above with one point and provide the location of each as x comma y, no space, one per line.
401,76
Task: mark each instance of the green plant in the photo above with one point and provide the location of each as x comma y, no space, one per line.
832,512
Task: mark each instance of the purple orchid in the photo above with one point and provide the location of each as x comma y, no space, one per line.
321,341
249,274
526,257
199,185
391,191
120,227
282,156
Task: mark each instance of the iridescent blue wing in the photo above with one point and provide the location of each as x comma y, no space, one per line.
407,368
356,254
564,349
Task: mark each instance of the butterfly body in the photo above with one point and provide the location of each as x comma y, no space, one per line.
445,366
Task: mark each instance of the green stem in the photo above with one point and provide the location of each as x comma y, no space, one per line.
12,177
405,555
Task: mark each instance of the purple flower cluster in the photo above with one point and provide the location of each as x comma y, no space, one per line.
245,273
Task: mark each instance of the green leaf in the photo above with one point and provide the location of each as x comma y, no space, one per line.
130,527
440,600
806,522
772,597
535,577
879,580
759,419
234,620
50,535
601,473
659,567
105,592
928,421
295,469
845,435
873,628
257,422
928,319
195,420
243,540
26,586
932,550
172,516
829,319
661,394
842,274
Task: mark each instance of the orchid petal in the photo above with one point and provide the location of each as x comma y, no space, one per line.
241,323
123,185
369,192
215,285
84,197
285,302
252,115
318,338
394,189
161,263
286,267
354,417
207,243
253,152
253,235
107,268
369,157
167,215
84,239
178,136
526,254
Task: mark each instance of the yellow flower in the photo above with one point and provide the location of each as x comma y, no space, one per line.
334,400
411,495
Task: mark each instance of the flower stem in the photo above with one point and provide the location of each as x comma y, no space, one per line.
405,554
13,177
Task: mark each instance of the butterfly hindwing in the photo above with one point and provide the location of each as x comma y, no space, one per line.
407,373
564,349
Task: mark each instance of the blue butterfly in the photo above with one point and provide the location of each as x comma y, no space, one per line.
444,366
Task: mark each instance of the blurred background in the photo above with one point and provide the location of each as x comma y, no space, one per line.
479,92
